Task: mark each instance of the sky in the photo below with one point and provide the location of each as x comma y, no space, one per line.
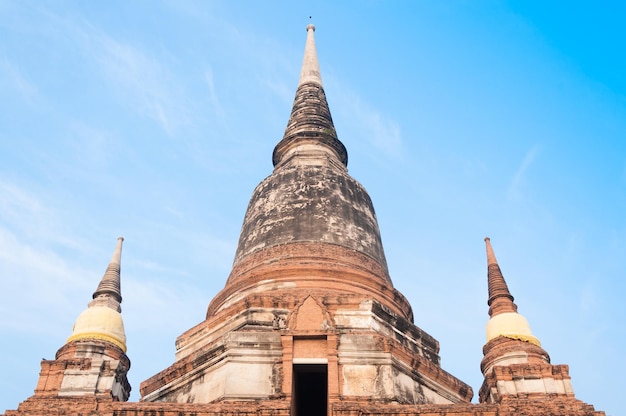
155,120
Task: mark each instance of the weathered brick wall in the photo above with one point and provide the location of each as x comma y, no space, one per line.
518,369
545,407
102,407
311,265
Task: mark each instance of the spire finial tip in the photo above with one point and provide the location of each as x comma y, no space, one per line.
487,239
310,26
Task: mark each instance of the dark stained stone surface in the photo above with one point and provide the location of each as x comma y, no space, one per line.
311,203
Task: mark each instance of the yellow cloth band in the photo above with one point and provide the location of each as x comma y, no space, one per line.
98,336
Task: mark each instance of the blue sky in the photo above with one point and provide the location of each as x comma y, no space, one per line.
155,120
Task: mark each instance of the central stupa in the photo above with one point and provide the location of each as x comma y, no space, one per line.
309,315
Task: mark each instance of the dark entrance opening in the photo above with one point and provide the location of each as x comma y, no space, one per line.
310,389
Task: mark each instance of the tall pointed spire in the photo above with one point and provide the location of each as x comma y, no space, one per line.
110,283
310,136
500,299
505,320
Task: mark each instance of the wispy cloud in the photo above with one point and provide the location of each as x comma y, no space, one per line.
381,131
93,146
16,80
514,191
385,132
40,280
284,91
588,300
36,217
215,101
139,77
22,211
